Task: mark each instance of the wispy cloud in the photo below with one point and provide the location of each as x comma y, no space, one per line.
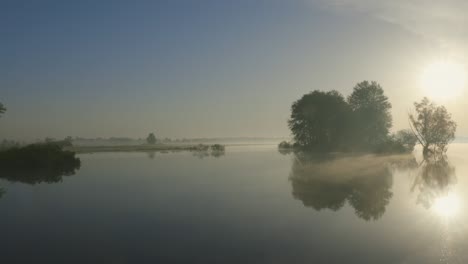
440,20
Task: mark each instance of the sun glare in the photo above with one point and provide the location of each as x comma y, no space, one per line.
443,80
447,206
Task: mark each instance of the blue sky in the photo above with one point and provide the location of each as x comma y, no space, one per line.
206,68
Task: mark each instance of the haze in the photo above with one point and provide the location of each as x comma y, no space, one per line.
212,68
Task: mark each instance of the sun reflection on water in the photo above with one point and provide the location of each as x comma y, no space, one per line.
447,206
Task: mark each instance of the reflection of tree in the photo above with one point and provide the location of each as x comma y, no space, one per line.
36,176
363,181
371,195
45,175
150,154
217,153
434,179
37,163
320,194
201,154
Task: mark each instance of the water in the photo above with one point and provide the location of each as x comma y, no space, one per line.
252,205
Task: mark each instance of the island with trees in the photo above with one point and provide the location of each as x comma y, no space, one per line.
344,152
329,122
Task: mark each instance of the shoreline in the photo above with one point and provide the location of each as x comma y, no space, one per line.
146,148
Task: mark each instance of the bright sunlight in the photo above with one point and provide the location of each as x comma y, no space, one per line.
447,206
443,80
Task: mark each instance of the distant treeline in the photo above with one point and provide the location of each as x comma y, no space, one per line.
166,140
9,144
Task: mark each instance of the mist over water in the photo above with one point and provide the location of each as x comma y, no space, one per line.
304,131
251,205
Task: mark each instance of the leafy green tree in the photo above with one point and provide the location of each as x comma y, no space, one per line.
371,114
433,126
151,139
2,109
319,120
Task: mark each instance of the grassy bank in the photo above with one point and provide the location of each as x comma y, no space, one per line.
141,148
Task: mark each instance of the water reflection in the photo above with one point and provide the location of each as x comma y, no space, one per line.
285,151
201,154
364,182
217,153
40,175
151,154
433,183
50,174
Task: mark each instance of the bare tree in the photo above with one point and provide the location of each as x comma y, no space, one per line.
433,126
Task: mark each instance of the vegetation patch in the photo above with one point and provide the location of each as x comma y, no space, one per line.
202,150
329,122
36,163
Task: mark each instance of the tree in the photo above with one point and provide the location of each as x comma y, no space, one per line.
371,114
402,141
433,126
406,138
319,119
151,139
2,109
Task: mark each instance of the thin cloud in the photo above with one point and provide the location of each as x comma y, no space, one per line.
441,21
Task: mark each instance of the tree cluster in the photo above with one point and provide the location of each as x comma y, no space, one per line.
326,121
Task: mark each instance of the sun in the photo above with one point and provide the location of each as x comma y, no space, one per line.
443,80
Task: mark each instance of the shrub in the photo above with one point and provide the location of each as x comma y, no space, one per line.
285,145
200,147
217,147
401,142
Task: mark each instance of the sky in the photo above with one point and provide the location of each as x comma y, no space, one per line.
211,68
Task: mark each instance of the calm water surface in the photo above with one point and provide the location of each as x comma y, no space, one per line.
251,205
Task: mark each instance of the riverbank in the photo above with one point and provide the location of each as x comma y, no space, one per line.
144,148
